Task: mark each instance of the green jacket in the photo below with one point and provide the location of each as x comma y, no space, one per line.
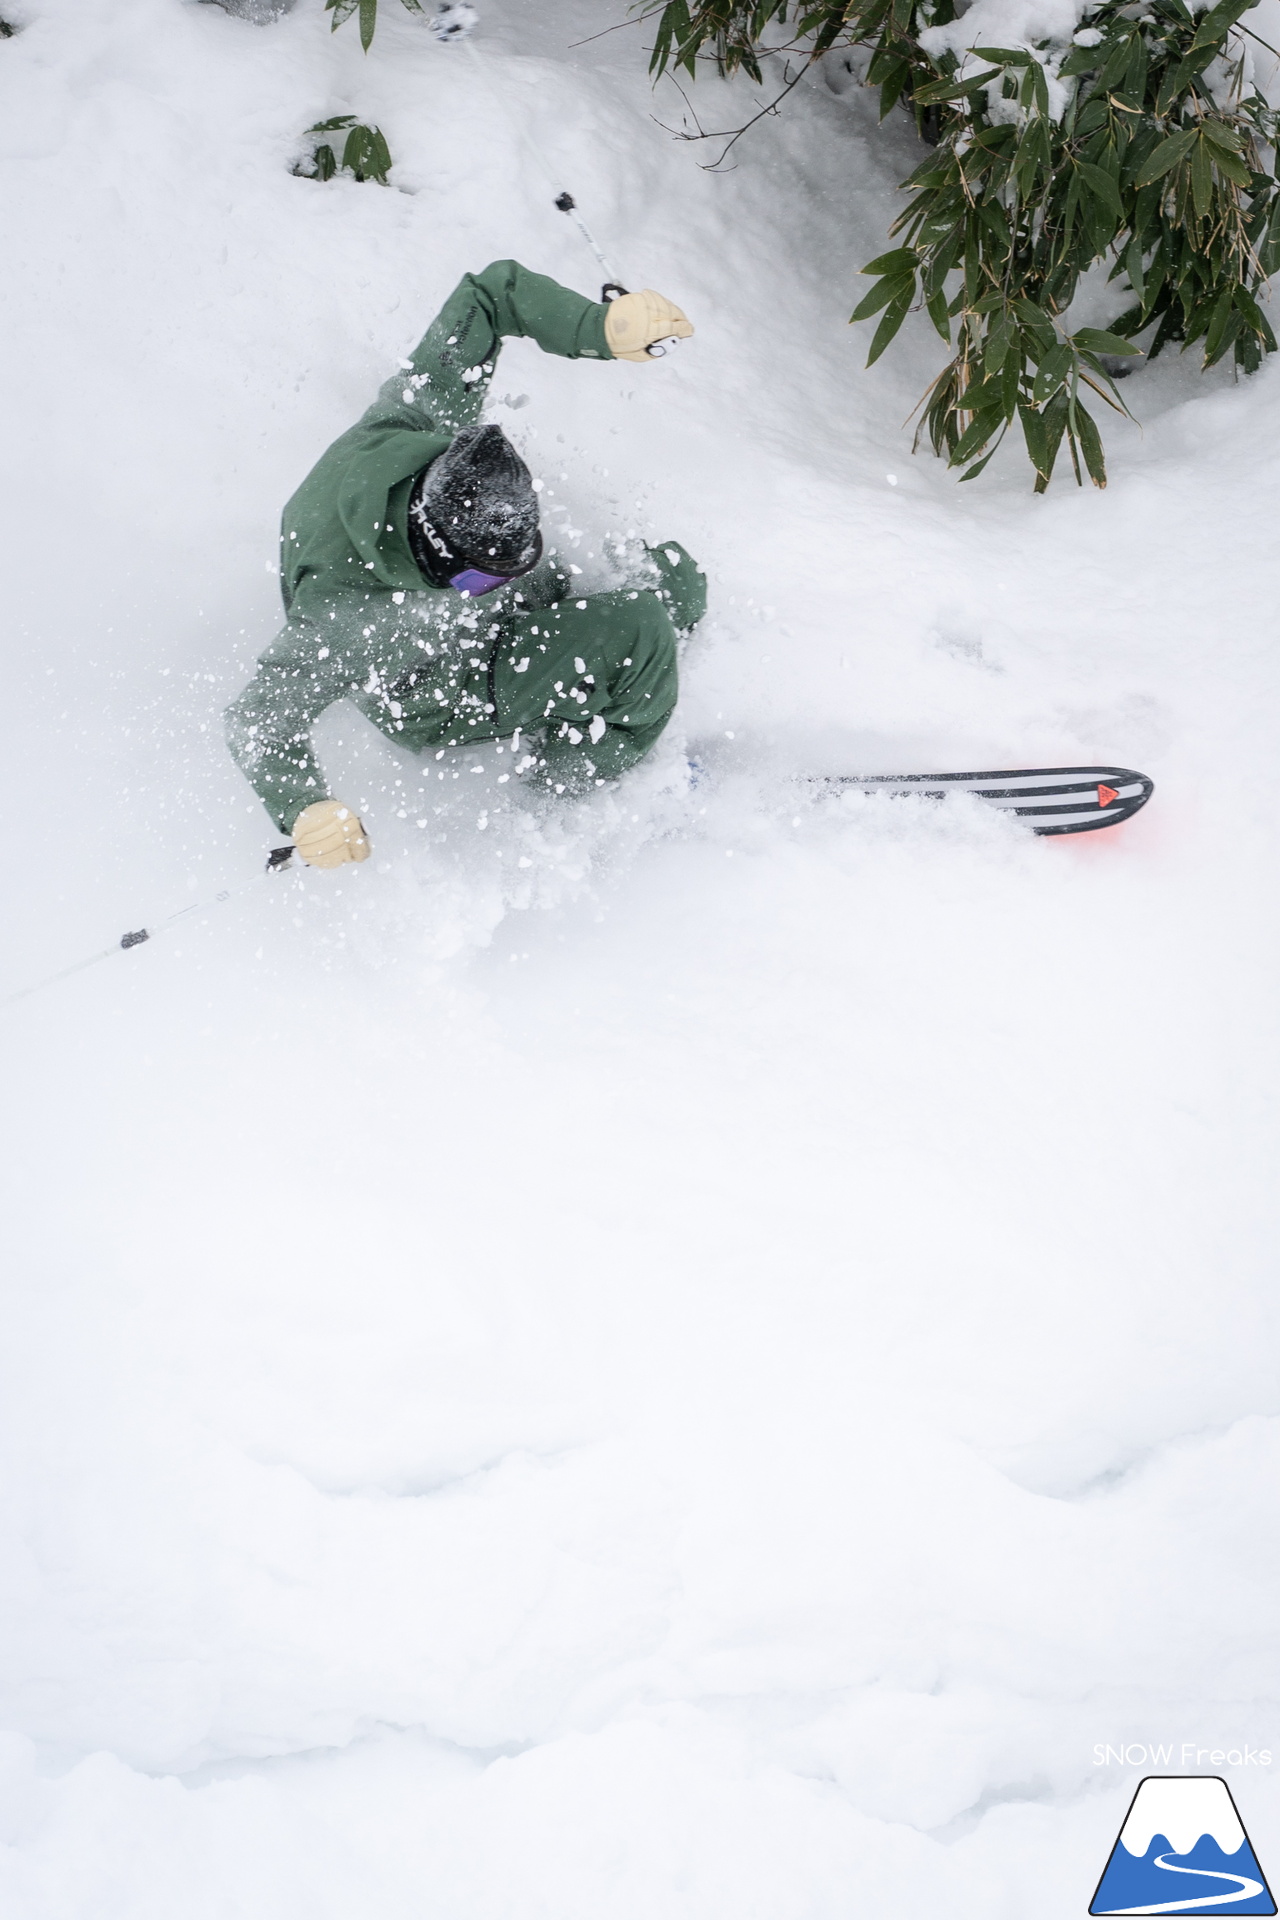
596,680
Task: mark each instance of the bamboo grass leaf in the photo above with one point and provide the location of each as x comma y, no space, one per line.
1102,186
891,288
893,319
1098,340
1166,157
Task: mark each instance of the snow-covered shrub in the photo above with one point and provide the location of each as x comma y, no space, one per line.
1138,139
364,153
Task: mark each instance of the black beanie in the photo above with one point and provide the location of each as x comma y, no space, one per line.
478,500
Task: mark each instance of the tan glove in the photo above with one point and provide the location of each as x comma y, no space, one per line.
328,834
635,321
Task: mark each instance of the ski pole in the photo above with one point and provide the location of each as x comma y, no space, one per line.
457,23
613,288
277,861
566,203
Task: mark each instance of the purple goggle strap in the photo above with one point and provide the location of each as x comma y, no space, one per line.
473,582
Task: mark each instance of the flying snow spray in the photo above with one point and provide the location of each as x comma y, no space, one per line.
454,22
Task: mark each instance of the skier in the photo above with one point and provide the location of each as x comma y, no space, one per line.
392,546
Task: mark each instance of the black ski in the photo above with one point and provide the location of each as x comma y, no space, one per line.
1049,799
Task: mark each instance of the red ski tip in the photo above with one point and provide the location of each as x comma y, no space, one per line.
1106,795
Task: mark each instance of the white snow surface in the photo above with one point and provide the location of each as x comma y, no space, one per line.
682,1357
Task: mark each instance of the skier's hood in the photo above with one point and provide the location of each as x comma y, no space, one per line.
367,502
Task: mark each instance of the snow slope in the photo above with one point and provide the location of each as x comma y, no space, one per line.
688,1356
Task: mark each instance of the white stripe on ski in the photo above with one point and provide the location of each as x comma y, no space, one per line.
1034,804
988,783
1030,804
1043,821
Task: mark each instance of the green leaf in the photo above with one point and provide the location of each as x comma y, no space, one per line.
892,287
976,434
1201,179
1233,167
379,158
1218,22
1248,352
333,126
936,307
1091,446
368,21
1117,62
1072,206
1097,340
1247,306
1055,425
1006,56
1135,79
1079,60
1037,324
1102,186
940,91
1269,250
891,88
1216,338
1052,372
1011,380
976,469
900,260
893,319
1231,332
1221,135
1178,79
1037,442
984,396
1166,157
999,340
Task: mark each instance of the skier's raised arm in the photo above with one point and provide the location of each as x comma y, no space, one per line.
450,369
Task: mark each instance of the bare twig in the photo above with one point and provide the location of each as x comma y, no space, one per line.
617,27
728,134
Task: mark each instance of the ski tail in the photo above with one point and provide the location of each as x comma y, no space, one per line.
1049,799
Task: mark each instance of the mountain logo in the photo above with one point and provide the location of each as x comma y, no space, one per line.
1182,1850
